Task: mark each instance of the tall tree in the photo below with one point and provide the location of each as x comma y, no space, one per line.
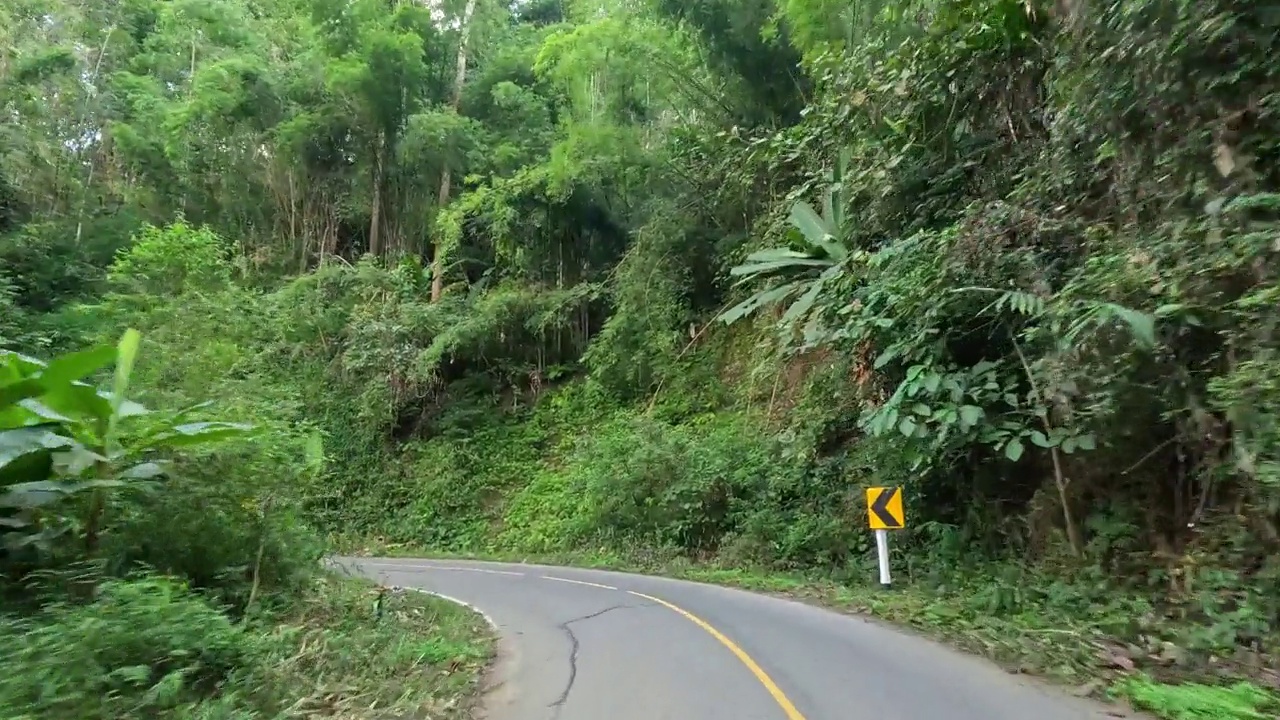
446,172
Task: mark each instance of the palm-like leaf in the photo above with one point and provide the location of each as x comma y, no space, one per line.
805,274
59,437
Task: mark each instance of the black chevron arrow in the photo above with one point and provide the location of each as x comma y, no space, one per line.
881,508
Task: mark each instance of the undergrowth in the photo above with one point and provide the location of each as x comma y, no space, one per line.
147,647
1192,701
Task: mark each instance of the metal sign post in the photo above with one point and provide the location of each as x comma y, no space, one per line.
884,513
882,549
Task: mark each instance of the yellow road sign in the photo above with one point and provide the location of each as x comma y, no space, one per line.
884,508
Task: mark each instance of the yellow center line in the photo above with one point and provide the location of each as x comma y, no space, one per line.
772,687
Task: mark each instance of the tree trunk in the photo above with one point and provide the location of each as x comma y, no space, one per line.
1061,481
437,256
375,212
446,175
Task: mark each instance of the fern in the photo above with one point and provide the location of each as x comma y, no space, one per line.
1087,314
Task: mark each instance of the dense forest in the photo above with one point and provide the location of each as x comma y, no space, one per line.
649,280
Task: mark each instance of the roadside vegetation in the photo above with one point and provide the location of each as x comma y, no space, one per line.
649,283
151,571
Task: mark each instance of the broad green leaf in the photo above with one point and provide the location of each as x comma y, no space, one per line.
739,311
15,392
33,494
1142,326
772,265
28,454
184,412
126,357
34,465
907,427
931,383
755,302
777,255
97,483
125,407
805,303
75,366
816,231
78,402
76,460
1039,438
25,364
204,428
41,539
1014,449
44,492
143,471
85,406
815,333
21,441
1087,442
982,367
970,414
40,413
889,354
197,433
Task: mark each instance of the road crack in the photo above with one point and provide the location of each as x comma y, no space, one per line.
575,645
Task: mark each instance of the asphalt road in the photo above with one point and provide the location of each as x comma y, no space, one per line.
595,645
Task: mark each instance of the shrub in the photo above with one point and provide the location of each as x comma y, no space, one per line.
143,648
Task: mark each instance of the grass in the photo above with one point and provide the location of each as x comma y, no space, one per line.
1194,701
1071,650
415,656
147,647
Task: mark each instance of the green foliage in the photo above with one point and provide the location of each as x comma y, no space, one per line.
11,325
807,273
142,648
97,487
1037,290
168,261
710,484
1241,701
63,438
48,267
148,648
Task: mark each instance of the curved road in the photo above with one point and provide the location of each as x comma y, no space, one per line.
595,645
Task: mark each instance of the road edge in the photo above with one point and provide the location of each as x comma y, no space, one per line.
493,687
1094,688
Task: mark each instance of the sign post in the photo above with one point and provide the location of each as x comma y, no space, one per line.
882,550
884,513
